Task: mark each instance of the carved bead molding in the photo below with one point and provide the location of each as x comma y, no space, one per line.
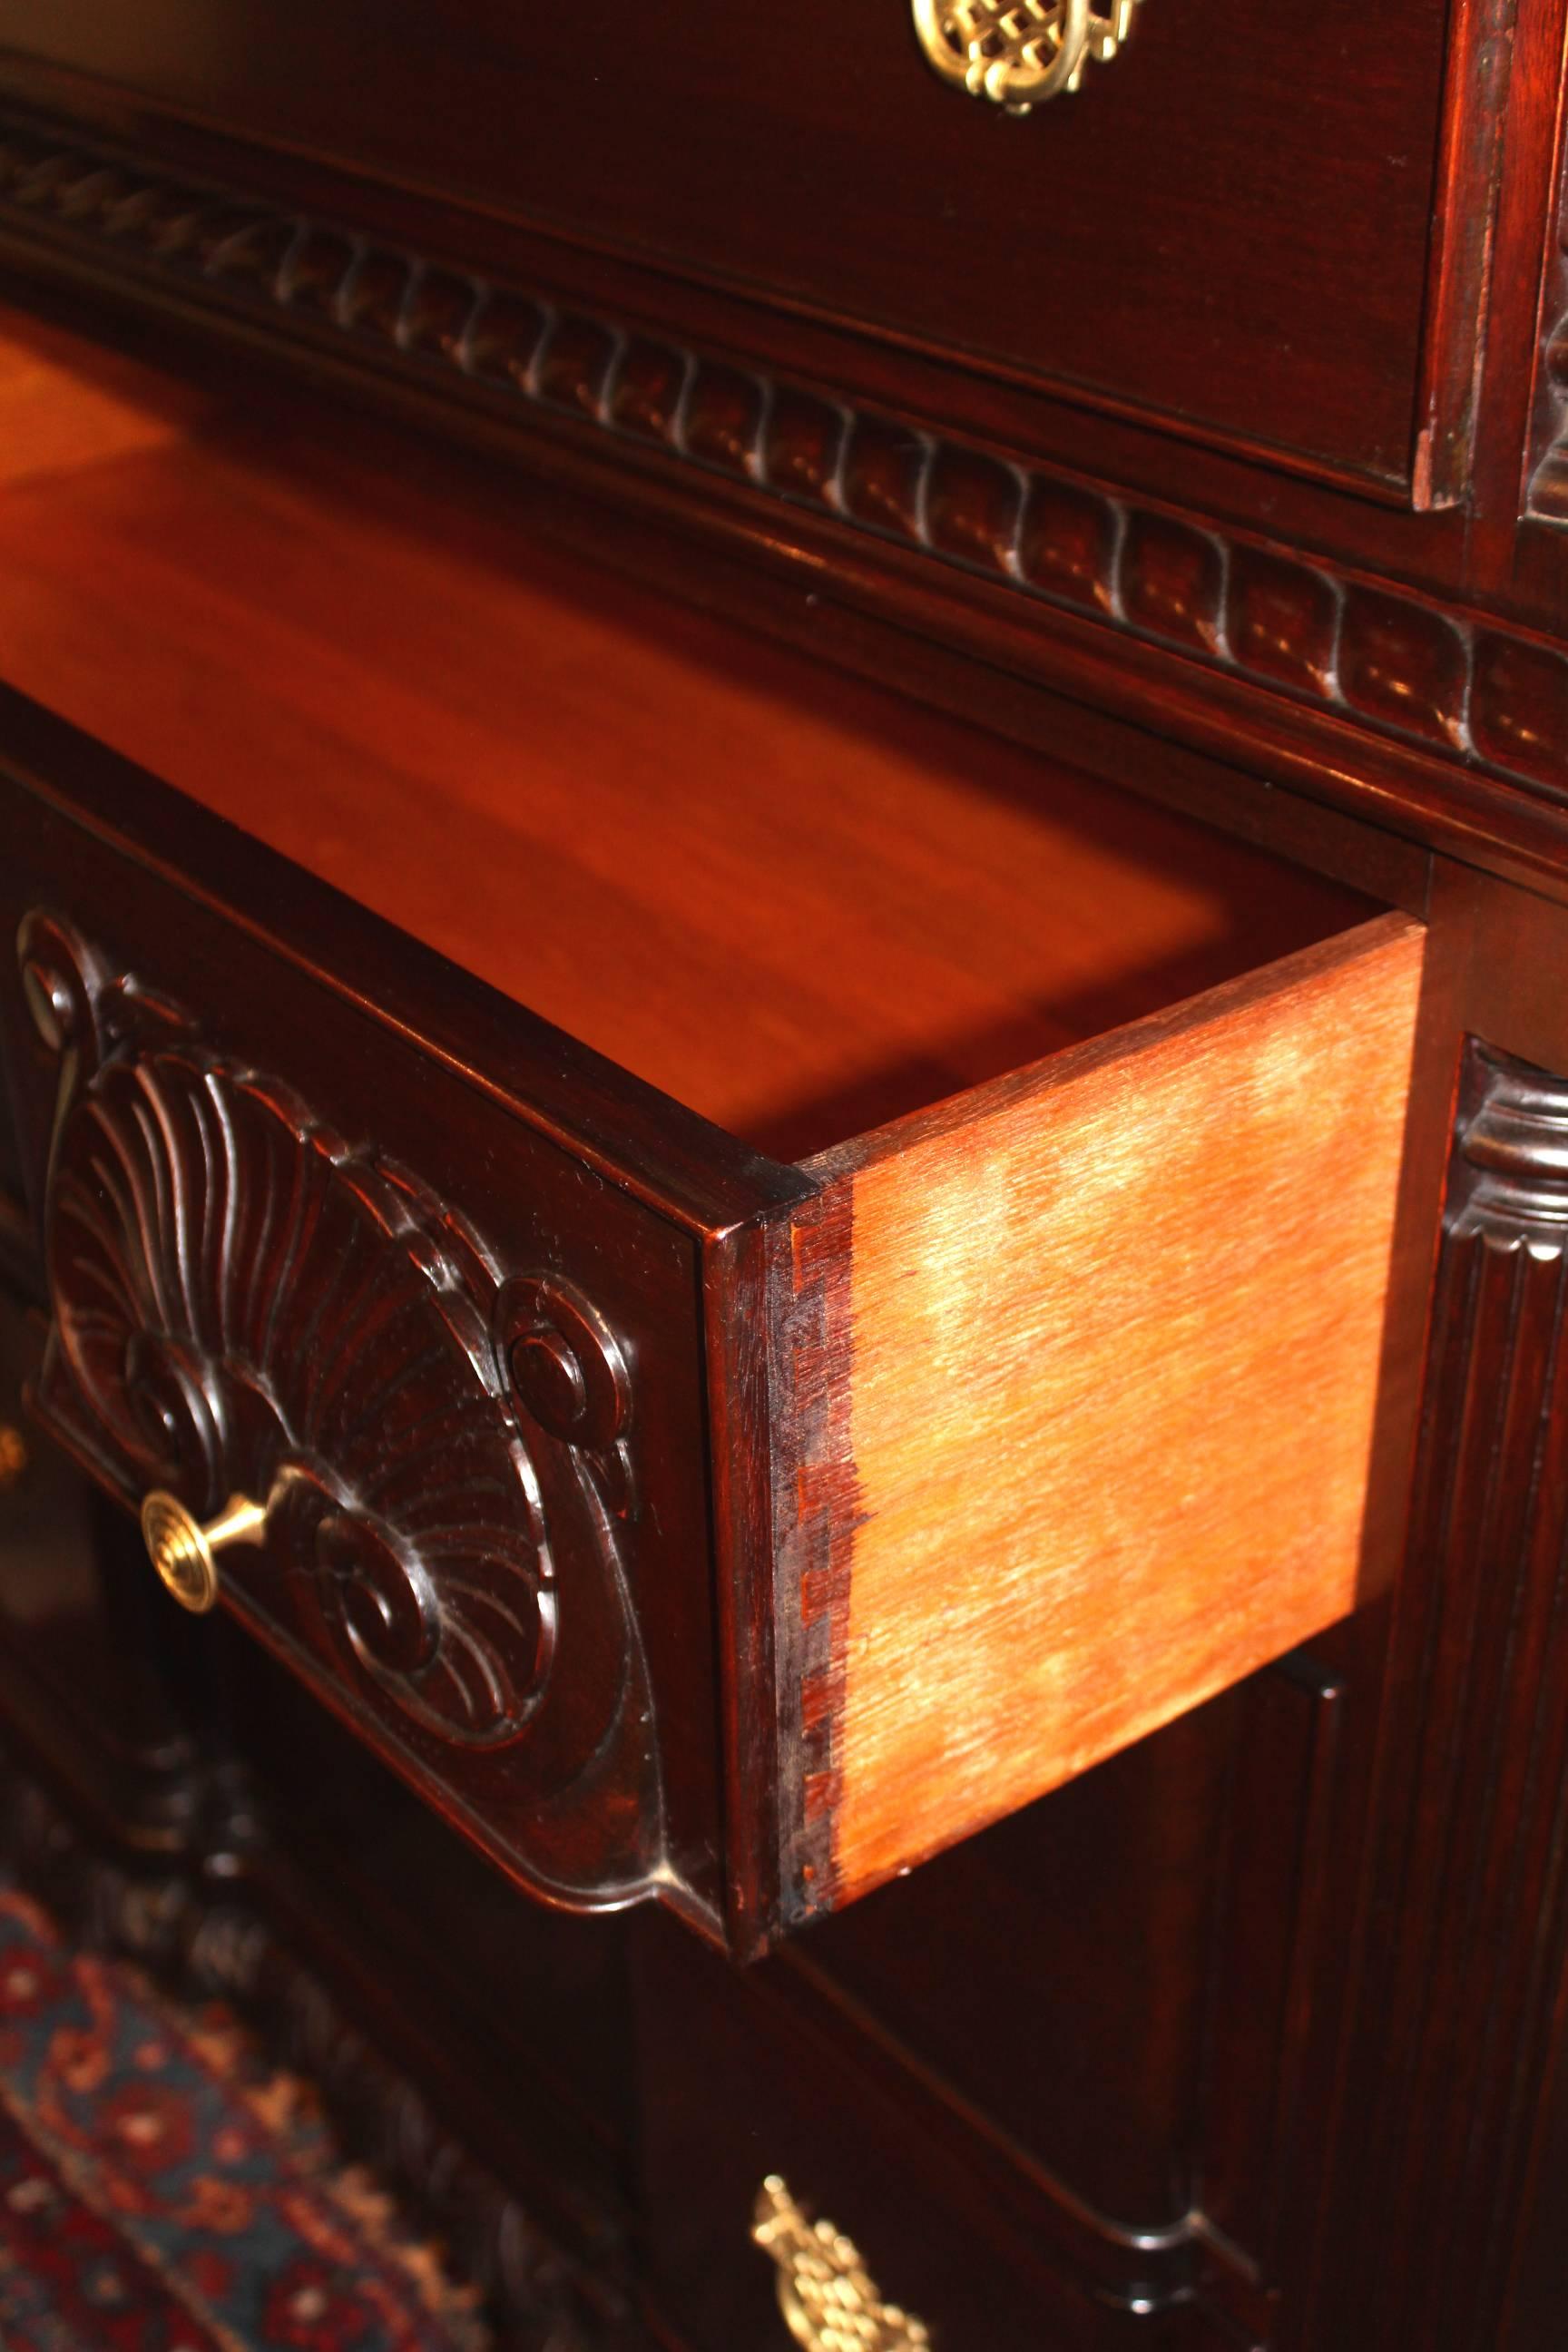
1452,683
242,1302
1467,1939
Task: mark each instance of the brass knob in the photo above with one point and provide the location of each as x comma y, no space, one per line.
829,2300
184,1553
1017,53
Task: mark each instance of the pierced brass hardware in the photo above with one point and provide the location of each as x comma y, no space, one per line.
184,1553
829,2300
1017,53
12,1456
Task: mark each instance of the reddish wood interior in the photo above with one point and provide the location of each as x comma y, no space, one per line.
796,906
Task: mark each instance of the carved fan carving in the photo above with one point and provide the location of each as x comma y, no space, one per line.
242,1300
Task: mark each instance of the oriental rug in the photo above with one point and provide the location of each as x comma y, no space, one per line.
162,2191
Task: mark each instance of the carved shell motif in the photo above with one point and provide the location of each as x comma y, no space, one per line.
243,1300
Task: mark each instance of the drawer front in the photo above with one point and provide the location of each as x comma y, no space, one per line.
1209,189
300,1256
760,2076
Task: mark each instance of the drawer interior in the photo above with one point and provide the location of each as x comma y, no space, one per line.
799,908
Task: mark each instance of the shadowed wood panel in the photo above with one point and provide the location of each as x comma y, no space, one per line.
1463,2009
1112,1356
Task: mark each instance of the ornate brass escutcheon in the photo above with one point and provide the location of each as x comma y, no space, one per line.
829,2299
1017,53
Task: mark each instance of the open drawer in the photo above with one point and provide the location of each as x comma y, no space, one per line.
954,1350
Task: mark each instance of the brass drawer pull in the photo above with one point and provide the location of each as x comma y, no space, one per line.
1017,53
829,2299
184,1553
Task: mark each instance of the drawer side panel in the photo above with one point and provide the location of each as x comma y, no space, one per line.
1115,1336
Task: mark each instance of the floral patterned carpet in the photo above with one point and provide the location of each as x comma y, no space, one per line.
161,2192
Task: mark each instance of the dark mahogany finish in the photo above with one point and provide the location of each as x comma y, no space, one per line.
1469,1932
1206,429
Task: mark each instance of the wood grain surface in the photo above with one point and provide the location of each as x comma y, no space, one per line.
1113,1362
55,417
798,907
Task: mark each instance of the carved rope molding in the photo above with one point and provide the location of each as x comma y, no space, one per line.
242,1303
1476,693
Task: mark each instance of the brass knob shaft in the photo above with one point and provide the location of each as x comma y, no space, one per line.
184,1553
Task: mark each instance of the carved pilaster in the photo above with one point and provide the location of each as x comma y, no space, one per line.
1467,1936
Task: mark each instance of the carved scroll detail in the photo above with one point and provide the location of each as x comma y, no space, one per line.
1511,1176
241,1299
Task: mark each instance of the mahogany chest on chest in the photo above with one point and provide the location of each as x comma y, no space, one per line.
784,1016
